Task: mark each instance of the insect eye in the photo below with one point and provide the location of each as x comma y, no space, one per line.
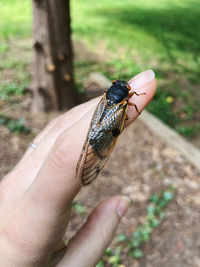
113,82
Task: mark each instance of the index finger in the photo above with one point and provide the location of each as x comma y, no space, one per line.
56,181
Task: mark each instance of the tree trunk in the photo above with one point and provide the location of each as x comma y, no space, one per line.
53,86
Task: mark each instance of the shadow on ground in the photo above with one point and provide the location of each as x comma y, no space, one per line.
176,28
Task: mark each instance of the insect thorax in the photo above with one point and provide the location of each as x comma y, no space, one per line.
117,92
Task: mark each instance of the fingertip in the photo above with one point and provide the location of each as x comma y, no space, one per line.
142,78
93,238
145,84
123,206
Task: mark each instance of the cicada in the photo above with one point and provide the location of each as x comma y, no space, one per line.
106,125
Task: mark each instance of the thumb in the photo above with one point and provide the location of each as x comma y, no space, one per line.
89,244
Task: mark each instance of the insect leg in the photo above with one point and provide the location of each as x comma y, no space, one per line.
135,93
130,94
134,105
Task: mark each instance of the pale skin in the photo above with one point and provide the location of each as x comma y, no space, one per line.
36,196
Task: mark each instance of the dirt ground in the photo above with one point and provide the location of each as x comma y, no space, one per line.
140,165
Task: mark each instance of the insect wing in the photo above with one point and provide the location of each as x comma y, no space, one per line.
98,112
101,140
95,119
94,163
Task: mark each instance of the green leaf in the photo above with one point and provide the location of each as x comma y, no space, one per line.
136,243
162,215
79,208
154,198
114,259
158,210
108,251
118,250
168,196
11,125
162,203
121,238
145,237
129,245
146,233
137,253
3,121
136,234
100,264
147,228
150,209
150,217
155,223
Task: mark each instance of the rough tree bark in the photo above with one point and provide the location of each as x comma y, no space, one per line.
53,87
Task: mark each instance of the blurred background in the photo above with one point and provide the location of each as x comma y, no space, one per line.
118,39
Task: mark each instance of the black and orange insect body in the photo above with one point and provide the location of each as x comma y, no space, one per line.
106,125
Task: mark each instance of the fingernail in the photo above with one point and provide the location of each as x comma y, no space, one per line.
142,78
123,205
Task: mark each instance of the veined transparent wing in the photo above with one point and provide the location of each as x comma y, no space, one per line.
101,139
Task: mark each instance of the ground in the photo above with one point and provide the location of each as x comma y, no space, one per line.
140,166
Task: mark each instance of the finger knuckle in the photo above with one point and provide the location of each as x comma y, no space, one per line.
94,224
62,154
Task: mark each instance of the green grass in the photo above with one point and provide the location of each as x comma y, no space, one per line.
19,77
10,89
16,126
15,20
158,34
153,29
12,64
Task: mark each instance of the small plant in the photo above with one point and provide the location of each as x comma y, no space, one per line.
100,264
114,257
121,238
161,106
14,125
155,215
78,207
188,131
8,89
134,243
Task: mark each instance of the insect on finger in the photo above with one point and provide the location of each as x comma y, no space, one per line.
106,125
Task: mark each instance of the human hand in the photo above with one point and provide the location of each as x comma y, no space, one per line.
36,196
